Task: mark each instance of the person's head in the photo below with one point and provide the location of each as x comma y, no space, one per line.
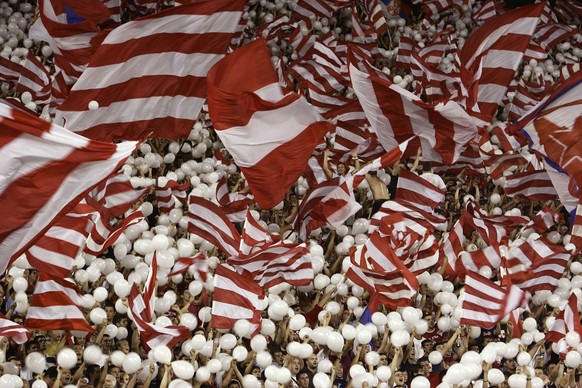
341,169
400,377
116,372
256,371
50,376
123,345
312,362
110,382
427,346
294,365
303,378
66,377
110,310
383,360
32,346
425,366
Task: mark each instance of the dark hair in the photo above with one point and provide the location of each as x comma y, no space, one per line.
51,372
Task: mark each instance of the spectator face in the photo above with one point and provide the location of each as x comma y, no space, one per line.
303,380
312,361
116,372
427,347
294,366
110,310
383,360
400,377
124,346
278,357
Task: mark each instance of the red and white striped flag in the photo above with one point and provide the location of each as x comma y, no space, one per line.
9,71
149,75
55,306
166,194
537,264
485,303
418,191
278,263
492,55
199,261
103,234
533,185
235,297
152,336
50,166
396,115
13,330
234,205
55,252
567,320
208,221
392,289
544,220
70,28
331,202
243,107
254,237
35,79
114,196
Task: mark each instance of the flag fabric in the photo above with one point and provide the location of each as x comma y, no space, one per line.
71,30
35,79
13,330
544,220
114,196
278,263
492,55
391,288
537,264
199,261
50,166
55,306
56,251
532,185
149,74
418,191
9,71
551,128
245,105
209,222
152,336
254,237
331,202
567,320
485,303
165,194
395,114
103,233
234,205
235,297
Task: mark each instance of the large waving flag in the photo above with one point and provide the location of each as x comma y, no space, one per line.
395,114
52,168
149,75
270,135
70,28
492,55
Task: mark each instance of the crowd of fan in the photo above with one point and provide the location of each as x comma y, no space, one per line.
369,356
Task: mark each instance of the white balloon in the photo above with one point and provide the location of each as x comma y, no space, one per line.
117,358
183,369
162,354
67,358
239,353
420,382
258,343
92,354
35,362
335,341
131,362
321,380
